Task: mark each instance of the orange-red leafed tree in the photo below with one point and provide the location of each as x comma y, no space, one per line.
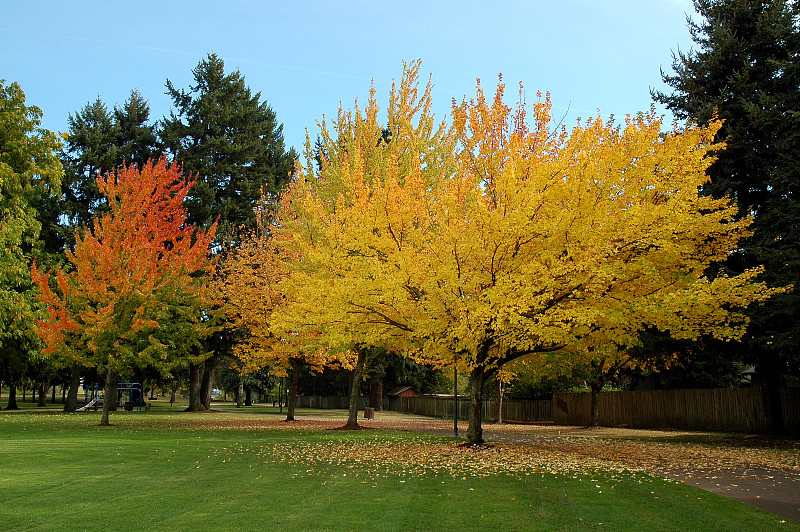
135,291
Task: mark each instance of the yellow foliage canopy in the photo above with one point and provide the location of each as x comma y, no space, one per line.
251,283
499,237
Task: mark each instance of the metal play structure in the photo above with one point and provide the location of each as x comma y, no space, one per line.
94,400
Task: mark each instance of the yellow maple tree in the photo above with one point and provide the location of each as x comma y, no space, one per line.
251,283
346,282
501,237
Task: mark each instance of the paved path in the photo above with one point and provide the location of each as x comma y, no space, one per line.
774,491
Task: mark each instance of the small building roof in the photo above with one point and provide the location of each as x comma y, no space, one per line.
400,389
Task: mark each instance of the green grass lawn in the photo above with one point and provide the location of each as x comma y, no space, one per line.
164,470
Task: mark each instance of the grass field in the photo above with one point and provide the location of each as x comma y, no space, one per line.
164,469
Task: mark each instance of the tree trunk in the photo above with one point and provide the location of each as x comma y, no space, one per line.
173,392
597,379
43,387
194,389
775,402
475,430
296,366
376,394
74,383
772,392
498,399
280,395
455,402
596,387
12,397
355,389
248,395
109,396
208,381
114,396
53,397
240,392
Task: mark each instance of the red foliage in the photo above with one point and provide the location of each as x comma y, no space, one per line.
135,253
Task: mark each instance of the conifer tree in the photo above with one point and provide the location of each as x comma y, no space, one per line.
90,149
232,140
100,140
746,71
137,142
233,143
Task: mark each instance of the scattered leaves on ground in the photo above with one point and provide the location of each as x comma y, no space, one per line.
529,449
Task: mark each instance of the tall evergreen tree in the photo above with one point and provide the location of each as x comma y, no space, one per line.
100,140
137,142
746,70
90,148
232,140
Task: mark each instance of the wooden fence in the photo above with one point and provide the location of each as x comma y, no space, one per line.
327,402
732,410
513,410
790,398
518,411
428,406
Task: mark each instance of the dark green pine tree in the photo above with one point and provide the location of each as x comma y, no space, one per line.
746,71
234,143
90,148
137,141
99,141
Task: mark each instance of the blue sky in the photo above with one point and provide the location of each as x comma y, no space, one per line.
305,57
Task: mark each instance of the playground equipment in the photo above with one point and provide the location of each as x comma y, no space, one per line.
87,406
92,397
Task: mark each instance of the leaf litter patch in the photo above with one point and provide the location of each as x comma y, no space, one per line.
379,457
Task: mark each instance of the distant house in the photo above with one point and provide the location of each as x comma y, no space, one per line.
402,391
